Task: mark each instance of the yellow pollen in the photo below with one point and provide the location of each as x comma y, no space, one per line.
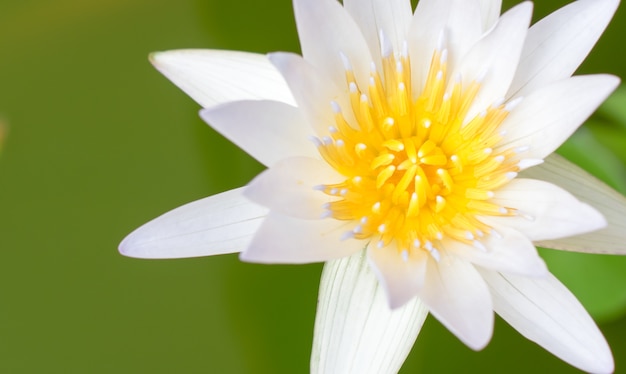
416,169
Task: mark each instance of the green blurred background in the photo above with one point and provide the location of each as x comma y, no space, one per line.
99,143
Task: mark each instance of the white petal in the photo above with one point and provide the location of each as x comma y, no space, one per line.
548,116
392,18
223,223
268,130
544,211
401,278
282,239
556,45
508,251
355,331
490,10
458,297
326,32
313,91
289,187
588,189
544,311
213,77
458,22
493,60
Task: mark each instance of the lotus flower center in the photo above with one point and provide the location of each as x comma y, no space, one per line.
417,171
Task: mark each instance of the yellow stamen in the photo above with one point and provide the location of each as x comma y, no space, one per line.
417,170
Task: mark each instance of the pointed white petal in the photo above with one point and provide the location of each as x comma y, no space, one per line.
213,77
544,211
268,130
588,189
544,311
313,91
289,187
548,116
508,251
326,32
392,18
282,239
556,45
355,331
223,223
459,298
401,277
456,22
493,60
490,10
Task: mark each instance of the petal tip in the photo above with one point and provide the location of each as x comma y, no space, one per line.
599,362
160,58
596,220
130,246
124,247
153,57
246,257
256,256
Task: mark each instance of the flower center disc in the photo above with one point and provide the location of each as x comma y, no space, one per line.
416,170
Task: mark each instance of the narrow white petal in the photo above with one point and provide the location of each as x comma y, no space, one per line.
544,211
493,60
391,17
401,278
355,331
313,91
548,116
458,22
282,239
544,311
326,32
509,251
459,298
213,77
289,187
223,223
556,45
490,11
268,130
588,189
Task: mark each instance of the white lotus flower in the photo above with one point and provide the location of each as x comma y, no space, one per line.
407,150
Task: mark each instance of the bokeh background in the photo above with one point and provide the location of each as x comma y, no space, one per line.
98,143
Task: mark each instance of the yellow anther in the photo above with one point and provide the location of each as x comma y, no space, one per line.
456,161
403,99
416,171
476,194
420,189
365,119
405,164
384,175
426,148
360,150
414,206
409,148
389,127
494,181
446,179
394,145
440,203
435,160
404,183
488,166
425,182
382,160
483,207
